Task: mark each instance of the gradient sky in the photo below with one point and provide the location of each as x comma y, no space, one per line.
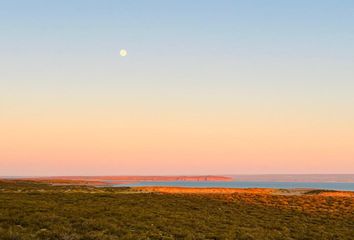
208,87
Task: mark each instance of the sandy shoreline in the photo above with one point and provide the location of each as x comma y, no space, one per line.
112,181
263,191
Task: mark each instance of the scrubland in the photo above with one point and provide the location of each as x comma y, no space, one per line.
31,211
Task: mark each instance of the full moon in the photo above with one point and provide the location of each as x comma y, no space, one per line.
123,52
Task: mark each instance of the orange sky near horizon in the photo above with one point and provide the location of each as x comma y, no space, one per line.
174,142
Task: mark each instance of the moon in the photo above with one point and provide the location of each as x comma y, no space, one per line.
123,52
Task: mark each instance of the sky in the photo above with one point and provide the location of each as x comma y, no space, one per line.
207,87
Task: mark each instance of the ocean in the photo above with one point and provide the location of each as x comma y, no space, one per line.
348,186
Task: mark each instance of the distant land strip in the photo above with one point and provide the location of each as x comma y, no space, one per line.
114,180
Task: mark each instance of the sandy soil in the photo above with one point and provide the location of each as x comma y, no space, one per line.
185,190
204,190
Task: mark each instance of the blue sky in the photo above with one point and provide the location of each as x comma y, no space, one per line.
256,64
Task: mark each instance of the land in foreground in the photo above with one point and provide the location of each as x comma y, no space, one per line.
31,210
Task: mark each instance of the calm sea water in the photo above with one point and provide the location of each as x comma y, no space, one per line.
238,184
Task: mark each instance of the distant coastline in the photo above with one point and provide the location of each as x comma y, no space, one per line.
222,177
275,181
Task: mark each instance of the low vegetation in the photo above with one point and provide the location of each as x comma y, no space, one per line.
31,211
